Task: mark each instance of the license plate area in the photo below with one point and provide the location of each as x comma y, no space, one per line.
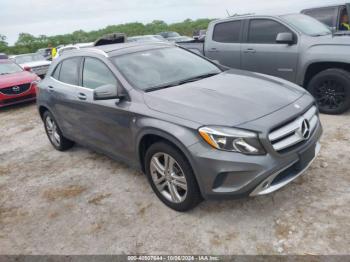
305,157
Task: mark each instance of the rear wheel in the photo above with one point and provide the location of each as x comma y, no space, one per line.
171,177
331,89
54,133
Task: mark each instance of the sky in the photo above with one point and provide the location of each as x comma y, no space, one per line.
52,17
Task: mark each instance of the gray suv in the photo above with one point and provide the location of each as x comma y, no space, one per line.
196,129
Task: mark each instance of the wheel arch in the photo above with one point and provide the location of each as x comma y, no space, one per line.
150,136
317,67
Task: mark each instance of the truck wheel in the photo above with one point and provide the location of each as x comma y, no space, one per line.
171,177
331,89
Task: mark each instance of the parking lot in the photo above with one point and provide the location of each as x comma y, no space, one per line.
80,202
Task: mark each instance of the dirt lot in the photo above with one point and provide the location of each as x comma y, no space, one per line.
80,202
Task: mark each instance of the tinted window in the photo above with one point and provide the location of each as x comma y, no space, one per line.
227,32
69,71
265,31
56,73
96,73
325,15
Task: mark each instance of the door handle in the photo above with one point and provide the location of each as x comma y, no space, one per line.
51,89
213,50
250,50
82,96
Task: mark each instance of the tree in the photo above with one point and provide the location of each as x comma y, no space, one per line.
28,43
3,44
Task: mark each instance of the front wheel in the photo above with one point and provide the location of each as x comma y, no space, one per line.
171,177
331,89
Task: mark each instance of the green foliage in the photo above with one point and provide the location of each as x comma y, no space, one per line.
28,43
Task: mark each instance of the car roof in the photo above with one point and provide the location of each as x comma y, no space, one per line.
6,61
124,48
24,55
322,6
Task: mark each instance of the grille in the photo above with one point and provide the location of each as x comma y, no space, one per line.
16,99
15,90
294,132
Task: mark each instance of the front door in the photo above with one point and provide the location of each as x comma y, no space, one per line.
104,124
262,54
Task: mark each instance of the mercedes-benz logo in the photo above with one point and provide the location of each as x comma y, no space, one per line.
15,89
305,129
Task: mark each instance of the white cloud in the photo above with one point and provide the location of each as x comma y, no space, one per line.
51,17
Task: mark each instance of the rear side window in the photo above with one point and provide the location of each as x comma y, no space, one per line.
265,31
69,72
325,15
96,73
56,73
227,32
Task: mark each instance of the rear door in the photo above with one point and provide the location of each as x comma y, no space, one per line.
224,45
62,88
103,124
262,54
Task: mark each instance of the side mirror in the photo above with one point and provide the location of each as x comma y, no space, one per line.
106,92
285,38
27,68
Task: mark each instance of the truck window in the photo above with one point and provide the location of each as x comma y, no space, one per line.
344,24
265,31
325,15
227,32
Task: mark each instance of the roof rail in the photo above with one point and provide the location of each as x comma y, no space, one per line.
96,50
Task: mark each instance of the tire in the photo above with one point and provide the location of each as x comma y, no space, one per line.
181,173
54,133
331,89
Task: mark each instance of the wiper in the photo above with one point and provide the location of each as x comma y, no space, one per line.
155,88
192,79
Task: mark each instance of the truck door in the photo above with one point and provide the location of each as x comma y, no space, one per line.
224,45
262,54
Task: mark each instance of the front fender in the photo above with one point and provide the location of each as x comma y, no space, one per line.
182,137
322,53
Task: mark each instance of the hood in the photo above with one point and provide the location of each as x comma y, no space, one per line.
336,39
17,79
230,98
36,63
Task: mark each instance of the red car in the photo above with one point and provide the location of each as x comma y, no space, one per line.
16,84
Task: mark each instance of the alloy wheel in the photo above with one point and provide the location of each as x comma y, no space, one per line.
168,177
330,94
52,131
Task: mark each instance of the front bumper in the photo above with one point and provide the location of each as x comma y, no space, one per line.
27,96
231,175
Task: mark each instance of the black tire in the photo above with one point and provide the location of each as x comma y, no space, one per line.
193,196
331,89
64,143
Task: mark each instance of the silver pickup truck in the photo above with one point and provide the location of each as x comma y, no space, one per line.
295,47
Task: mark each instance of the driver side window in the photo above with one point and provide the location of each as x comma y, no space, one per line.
96,74
265,31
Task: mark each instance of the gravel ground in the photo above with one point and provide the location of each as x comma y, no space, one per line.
80,202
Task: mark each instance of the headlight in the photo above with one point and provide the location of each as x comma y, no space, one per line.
232,139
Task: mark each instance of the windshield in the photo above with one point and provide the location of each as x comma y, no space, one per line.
28,58
308,25
160,68
9,68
